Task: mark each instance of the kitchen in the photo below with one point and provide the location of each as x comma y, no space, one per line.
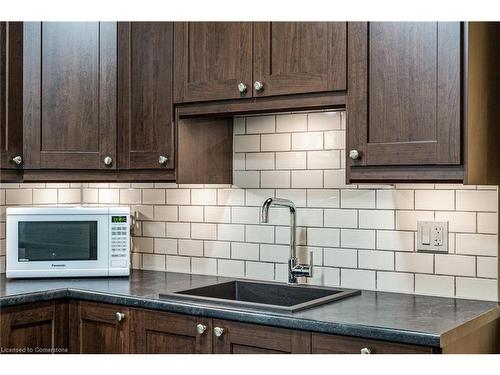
249,187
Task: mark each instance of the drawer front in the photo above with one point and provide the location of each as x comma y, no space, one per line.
333,344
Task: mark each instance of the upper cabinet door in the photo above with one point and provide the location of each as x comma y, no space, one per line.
145,95
11,95
213,61
404,95
70,95
299,57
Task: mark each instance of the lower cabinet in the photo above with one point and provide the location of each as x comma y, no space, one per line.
35,328
165,333
242,338
90,327
98,328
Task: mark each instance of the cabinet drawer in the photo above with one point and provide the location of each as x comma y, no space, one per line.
332,344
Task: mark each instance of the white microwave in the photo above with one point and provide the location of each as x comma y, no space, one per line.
67,241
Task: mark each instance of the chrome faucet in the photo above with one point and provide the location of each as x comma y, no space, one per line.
294,268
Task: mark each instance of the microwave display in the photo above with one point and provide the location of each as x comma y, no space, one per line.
118,219
57,241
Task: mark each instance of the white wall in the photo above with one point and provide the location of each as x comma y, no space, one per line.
362,236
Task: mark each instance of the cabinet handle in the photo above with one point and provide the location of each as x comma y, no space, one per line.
354,154
201,328
366,351
218,331
162,159
18,159
119,316
242,87
259,86
108,160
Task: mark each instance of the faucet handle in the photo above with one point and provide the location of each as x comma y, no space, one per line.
311,261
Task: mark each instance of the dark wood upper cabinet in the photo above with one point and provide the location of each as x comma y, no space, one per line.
146,131
11,95
97,328
404,96
70,95
166,333
211,59
243,338
299,57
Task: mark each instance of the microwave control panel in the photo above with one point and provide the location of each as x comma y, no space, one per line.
120,240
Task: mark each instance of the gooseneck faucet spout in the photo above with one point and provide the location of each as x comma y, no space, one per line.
294,269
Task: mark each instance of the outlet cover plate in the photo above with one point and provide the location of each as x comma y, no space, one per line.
432,236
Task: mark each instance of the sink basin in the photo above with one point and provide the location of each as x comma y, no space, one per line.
261,295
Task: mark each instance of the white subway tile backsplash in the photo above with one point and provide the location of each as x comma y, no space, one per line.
357,238
307,141
434,285
459,265
341,218
434,199
395,282
259,161
274,142
261,124
376,219
217,249
477,244
357,279
376,260
260,271
231,268
231,232
291,123
323,198
477,288
247,143
307,179
357,198
414,262
244,250
477,200
275,179
291,160
361,236
345,258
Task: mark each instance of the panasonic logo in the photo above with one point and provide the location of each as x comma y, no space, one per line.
58,265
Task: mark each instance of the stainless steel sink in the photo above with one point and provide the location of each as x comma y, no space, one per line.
261,295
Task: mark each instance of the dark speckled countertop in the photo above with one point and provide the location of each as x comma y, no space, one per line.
405,318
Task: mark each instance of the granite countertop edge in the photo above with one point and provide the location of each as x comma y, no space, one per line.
235,314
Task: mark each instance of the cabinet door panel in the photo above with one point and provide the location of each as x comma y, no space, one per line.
167,333
35,328
69,94
145,94
11,116
404,93
299,57
95,330
243,338
211,59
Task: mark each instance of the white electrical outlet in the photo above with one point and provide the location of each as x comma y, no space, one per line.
432,236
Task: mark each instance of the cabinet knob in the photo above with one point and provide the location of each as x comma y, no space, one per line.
218,331
18,159
354,154
162,159
242,87
108,160
366,351
258,86
119,316
201,328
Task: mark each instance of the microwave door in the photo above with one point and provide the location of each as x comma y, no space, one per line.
61,244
